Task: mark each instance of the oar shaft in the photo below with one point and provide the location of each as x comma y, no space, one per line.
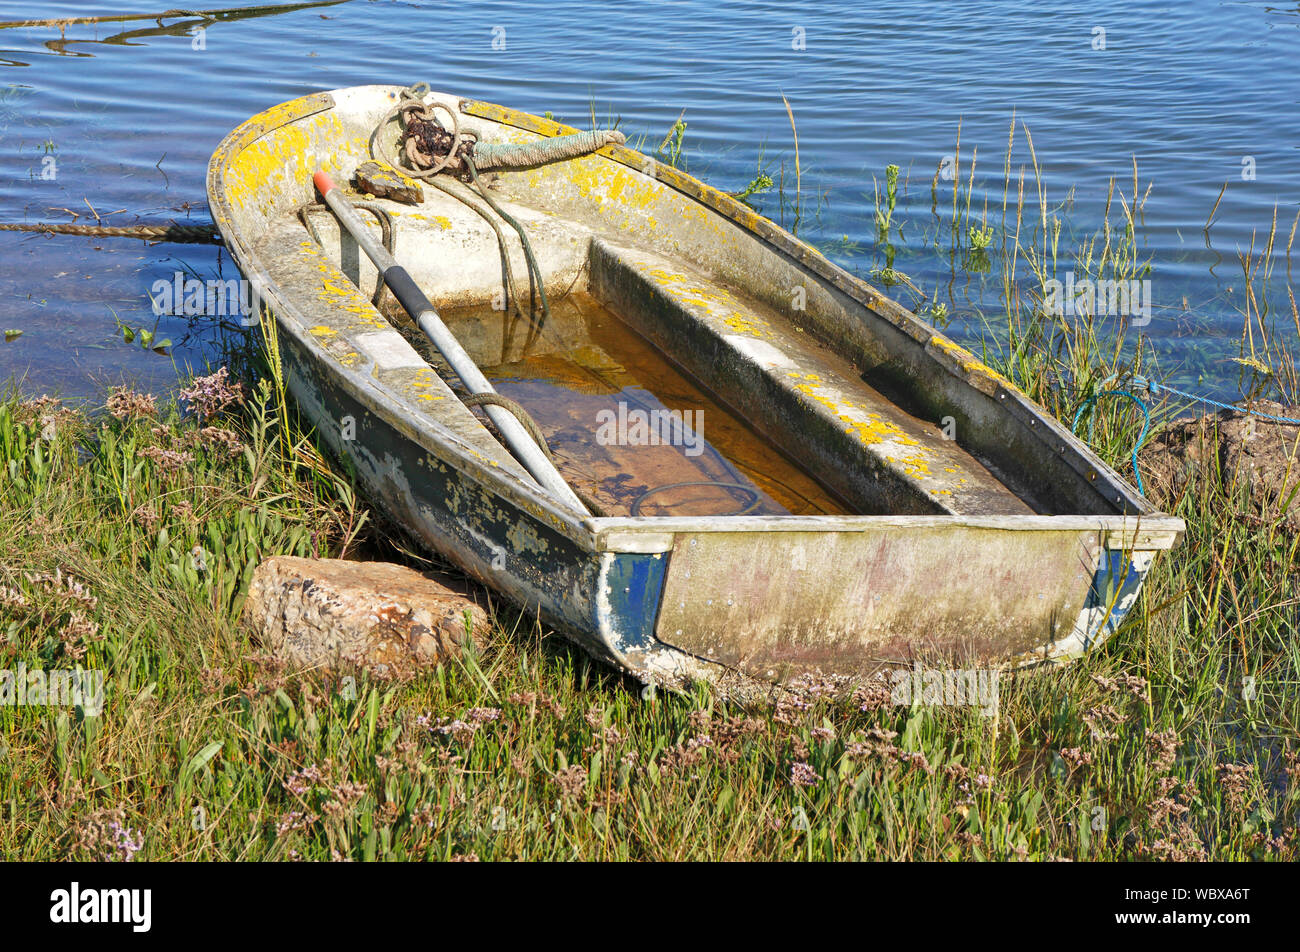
419,307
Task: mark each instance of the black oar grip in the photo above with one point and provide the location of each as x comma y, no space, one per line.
406,291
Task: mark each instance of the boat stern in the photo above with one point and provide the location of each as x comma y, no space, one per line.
778,599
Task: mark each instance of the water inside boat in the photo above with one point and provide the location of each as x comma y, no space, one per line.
625,426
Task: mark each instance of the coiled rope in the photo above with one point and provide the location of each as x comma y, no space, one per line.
422,136
431,148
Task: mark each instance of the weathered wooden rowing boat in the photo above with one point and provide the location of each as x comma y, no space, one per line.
863,492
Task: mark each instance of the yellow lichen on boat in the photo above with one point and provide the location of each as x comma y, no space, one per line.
616,183
442,221
425,379
711,300
915,465
810,390
279,158
969,362
876,431
868,432
345,297
747,325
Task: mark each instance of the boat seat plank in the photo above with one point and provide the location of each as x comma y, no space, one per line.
454,254
805,398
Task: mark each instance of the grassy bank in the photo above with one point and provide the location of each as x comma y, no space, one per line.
128,533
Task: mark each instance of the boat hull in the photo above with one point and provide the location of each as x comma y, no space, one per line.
748,603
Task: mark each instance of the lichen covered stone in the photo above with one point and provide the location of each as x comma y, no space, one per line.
335,615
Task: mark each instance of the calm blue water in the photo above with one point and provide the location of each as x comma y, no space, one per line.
130,112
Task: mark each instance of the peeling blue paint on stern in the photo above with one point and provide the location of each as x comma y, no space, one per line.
627,606
1115,589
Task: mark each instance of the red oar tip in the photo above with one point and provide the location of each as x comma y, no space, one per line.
323,182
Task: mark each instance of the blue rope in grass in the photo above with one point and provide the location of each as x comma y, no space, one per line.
1146,425
1154,388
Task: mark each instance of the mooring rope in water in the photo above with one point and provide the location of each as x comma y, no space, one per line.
755,498
170,232
520,414
262,10
1151,386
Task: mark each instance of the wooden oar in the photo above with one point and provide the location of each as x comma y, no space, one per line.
421,310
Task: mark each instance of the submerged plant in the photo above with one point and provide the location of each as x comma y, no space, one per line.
885,215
